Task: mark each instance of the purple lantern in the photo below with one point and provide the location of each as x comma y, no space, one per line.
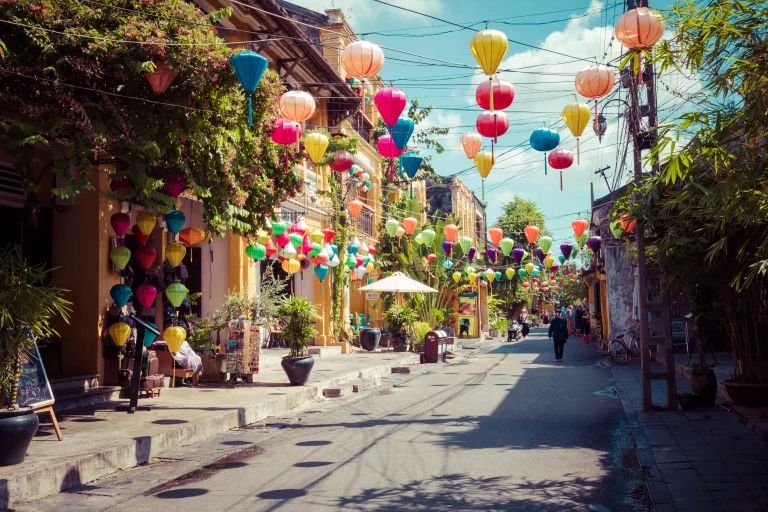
518,254
471,253
594,243
447,247
491,254
566,249
540,254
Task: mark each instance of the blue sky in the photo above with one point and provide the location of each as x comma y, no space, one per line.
543,84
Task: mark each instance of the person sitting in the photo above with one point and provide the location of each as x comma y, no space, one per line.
464,327
189,360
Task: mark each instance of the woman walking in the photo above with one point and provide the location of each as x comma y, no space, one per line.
558,333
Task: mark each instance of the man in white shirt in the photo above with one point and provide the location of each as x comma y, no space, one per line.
188,360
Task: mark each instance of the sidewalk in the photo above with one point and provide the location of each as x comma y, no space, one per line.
99,441
702,460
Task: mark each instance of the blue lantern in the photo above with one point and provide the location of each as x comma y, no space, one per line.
249,67
411,163
149,336
120,293
545,140
402,131
321,271
447,264
175,219
334,248
352,249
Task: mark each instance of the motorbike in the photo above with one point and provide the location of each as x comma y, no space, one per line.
514,331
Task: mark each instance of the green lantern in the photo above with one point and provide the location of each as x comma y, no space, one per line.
506,245
392,226
465,243
351,261
176,293
428,236
259,252
278,228
581,240
616,229
249,251
296,239
120,256
545,243
561,259
316,248
418,239
521,273
497,275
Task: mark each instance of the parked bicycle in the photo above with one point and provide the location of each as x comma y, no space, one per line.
620,351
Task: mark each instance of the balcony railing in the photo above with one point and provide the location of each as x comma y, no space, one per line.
361,127
365,222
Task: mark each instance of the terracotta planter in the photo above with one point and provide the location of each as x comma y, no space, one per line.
704,384
747,394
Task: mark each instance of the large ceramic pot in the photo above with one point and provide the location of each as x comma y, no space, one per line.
747,394
369,339
704,384
298,369
688,401
17,428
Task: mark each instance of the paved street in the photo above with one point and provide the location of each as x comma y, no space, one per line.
504,429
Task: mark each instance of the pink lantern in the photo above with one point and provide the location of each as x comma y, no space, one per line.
286,133
174,185
306,245
359,260
342,161
560,159
390,103
120,223
503,94
283,240
297,228
492,124
146,294
389,149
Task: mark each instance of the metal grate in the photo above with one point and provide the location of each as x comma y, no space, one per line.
12,191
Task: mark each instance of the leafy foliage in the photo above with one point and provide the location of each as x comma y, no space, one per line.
87,100
300,328
516,215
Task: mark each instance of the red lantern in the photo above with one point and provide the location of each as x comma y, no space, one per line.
146,256
328,233
560,159
342,161
389,149
390,103
118,185
492,124
431,257
140,237
146,294
174,186
503,94
270,246
286,133
120,223
526,285
161,78
627,224
579,226
372,250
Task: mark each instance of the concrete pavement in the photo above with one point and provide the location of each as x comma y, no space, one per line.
504,429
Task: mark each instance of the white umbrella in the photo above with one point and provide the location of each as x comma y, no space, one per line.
400,283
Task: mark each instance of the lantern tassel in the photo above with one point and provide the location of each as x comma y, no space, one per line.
495,129
250,111
578,152
597,125
483,190
411,189
286,159
639,67
490,80
561,181
545,164
401,165
391,171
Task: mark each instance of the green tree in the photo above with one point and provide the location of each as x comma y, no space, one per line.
519,213
73,85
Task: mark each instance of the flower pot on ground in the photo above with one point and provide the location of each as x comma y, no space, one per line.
688,401
400,343
400,320
747,394
27,306
369,339
299,329
704,383
386,339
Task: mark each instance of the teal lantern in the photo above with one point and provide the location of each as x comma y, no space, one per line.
447,264
249,67
149,336
120,293
176,294
561,259
352,249
521,273
175,219
497,275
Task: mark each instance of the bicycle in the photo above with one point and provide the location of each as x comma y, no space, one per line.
619,351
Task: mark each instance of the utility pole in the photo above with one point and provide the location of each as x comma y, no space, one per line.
601,172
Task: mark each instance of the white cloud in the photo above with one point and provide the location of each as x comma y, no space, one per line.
367,14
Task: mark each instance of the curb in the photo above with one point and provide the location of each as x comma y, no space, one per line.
45,481
657,487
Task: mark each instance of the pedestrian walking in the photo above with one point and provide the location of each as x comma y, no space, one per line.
524,320
585,326
558,333
578,316
569,320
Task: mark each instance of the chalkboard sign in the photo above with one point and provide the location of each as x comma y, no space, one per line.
34,388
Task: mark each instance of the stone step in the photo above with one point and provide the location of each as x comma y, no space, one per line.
323,351
75,383
401,369
366,384
338,391
72,399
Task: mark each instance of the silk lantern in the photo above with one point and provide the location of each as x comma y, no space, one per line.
506,244
119,332
465,243
450,231
488,47
120,256
471,253
249,67
544,140
496,233
391,226
161,78
639,29
579,226
471,143
576,116
120,223
175,219
149,336
409,224
146,293
549,261
295,239
560,159
497,275
138,235
627,223
176,293
545,242
321,271
510,273
316,144
456,277
355,207
521,273
352,248
146,255
561,259
484,162
269,246
146,222
400,231
342,161
174,186
286,132
503,94
390,102
175,253
492,124
410,163
581,240
191,236
594,82
328,234
594,243
402,131
616,229
540,254
296,105
428,236
388,149
120,294
447,248
174,336
431,257
362,59
472,278
518,254
490,275
531,234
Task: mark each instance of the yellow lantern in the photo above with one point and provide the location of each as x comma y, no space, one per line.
316,144
119,332
510,273
175,253
490,275
576,116
488,48
484,161
472,277
529,268
174,336
369,268
146,222
457,277
548,261
284,265
293,266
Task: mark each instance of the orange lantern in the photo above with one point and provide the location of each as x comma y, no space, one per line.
400,231
595,82
297,106
531,234
471,143
579,226
191,236
496,234
627,224
639,29
450,231
354,208
410,224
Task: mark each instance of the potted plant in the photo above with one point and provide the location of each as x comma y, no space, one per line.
28,304
400,320
299,329
420,330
